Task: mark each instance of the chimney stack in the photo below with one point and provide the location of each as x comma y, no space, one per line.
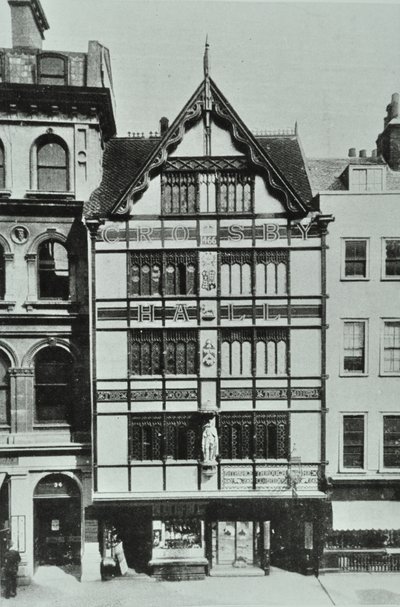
352,153
363,153
388,142
28,23
164,125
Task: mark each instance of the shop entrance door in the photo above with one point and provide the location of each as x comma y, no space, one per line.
235,543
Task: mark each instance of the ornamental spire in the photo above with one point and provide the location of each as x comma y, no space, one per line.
206,59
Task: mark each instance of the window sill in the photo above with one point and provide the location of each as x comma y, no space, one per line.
47,195
7,304
394,471
353,471
392,374
342,374
390,278
355,278
5,193
51,426
52,303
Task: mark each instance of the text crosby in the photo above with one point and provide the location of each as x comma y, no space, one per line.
180,232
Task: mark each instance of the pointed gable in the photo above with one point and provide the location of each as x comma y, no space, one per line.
129,163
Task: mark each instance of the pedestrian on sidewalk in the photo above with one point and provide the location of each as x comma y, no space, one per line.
11,562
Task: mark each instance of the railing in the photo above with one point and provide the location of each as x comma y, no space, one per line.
353,539
373,561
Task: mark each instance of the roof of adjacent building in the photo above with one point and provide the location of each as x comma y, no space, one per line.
124,157
328,173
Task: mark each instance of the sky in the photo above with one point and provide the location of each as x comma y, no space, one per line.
330,66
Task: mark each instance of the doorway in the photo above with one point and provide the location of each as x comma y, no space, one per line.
57,521
235,544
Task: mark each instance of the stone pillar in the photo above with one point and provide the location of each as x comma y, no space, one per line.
32,277
21,522
91,557
22,399
266,559
9,294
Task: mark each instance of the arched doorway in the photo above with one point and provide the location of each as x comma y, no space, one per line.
57,521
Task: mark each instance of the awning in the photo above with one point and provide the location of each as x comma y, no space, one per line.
2,477
366,515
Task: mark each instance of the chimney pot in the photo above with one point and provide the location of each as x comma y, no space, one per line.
363,153
164,125
374,153
352,152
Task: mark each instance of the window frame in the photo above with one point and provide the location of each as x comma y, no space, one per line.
368,169
343,275
382,371
3,180
39,145
181,261
40,75
342,466
343,372
6,388
161,337
382,467
68,419
384,276
39,270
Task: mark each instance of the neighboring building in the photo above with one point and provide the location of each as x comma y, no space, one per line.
55,113
208,332
363,351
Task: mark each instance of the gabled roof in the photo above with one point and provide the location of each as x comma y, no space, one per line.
129,163
329,173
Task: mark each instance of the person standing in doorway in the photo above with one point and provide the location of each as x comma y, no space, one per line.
11,563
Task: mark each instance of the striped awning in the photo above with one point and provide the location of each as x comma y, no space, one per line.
366,515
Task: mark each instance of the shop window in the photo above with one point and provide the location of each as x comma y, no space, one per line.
236,273
53,270
52,166
4,389
271,272
2,167
152,274
391,441
391,258
53,385
261,435
391,348
2,274
353,441
355,258
169,352
354,358
52,70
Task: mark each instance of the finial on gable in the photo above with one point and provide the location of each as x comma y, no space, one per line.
206,59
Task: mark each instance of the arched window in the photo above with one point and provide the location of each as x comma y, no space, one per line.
2,274
52,69
53,385
2,168
52,166
4,389
53,271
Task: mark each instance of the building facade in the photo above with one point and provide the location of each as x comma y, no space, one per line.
363,352
208,347
55,113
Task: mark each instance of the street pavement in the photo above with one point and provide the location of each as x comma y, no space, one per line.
52,587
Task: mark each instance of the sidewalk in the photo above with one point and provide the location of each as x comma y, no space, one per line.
54,588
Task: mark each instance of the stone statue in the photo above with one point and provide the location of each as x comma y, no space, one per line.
210,442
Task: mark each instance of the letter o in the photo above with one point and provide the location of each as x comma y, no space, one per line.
180,233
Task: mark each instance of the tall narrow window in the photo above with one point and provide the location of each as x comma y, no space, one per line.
178,193
52,167
391,441
2,168
146,437
146,353
155,352
180,352
353,441
354,347
355,261
236,273
235,193
391,347
52,70
53,271
271,272
271,352
53,384
2,274
236,358
4,389
170,273
263,435
391,268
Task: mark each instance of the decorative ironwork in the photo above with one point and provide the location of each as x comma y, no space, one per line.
146,395
272,256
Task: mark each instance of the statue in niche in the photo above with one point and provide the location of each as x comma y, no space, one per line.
210,442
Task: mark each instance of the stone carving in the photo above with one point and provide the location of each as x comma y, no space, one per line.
210,443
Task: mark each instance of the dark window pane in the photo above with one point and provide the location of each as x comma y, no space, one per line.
391,441
52,167
2,170
392,262
53,379
353,441
272,441
356,258
2,274
52,179
53,271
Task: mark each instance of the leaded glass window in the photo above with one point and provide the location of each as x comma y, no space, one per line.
168,273
154,352
260,434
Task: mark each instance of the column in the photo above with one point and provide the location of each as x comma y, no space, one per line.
22,399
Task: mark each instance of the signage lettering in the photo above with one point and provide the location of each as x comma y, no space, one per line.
111,234
144,233
181,313
146,313
180,233
235,232
304,229
271,231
